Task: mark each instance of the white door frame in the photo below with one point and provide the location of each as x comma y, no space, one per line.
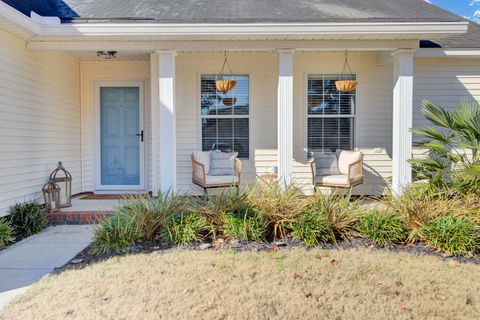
97,136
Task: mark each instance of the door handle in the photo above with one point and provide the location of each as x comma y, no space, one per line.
140,135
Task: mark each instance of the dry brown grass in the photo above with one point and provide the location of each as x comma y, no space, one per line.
292,284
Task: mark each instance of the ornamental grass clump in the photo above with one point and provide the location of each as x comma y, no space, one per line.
28,218
340,211
215,208
6,233
186,228
151,213
247,225
115,233
279,205
458,236
312,228
382,228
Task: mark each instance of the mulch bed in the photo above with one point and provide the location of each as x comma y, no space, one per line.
85,257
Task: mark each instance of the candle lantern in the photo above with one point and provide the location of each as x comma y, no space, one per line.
63,179
51,196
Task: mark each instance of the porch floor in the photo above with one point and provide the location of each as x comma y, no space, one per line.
88,205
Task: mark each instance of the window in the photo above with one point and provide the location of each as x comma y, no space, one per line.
225,117
330,116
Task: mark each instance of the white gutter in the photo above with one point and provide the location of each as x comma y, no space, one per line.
447,53
154,29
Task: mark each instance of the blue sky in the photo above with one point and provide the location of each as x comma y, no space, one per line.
466,8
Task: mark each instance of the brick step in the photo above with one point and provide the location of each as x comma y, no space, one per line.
77,217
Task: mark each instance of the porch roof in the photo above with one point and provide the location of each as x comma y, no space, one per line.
245,11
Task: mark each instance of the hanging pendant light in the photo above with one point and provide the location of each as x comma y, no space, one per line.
346,83
224,85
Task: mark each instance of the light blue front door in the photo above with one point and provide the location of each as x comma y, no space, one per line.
120,136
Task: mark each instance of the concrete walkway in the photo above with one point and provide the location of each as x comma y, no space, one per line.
27,261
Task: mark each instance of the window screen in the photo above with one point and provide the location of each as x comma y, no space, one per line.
330,116
225,116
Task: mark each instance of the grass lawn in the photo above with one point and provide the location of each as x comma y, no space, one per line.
287,284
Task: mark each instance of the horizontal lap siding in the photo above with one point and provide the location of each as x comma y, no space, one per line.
445,82
373,122
39,119
262,69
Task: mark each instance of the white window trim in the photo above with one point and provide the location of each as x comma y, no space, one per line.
249,116
306,115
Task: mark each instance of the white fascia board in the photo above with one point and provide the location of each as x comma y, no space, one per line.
447,53
19,20
152,29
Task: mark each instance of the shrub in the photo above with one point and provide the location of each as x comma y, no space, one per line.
452,147
215,208
451,234
246,225
6,232
312,228
151,213
115,233
341,212
278,205
185,228
382,227
28,218
419,207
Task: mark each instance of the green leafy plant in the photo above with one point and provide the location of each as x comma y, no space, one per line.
452,147
451,234
279,205
382,227
6,233
28,218
215,208
312,228
185,228
341,212
244,226
151,213
115,233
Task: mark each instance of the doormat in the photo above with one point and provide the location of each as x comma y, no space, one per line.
110,196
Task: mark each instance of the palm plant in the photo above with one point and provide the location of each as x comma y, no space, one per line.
453,146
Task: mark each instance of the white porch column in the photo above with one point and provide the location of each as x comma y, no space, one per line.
163,120
285,115
402,118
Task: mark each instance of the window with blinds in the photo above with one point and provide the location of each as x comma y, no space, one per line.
225,117
330,116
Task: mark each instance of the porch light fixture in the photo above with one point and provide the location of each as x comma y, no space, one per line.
63,179
224,85
51,196
107,55
346,82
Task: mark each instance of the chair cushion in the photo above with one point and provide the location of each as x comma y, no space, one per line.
346,158
338,179
204,158
325,163
222,163
221,179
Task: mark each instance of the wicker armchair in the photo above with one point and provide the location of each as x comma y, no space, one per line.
201,177
347,170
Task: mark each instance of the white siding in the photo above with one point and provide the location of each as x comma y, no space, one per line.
445,82
39,119
110,71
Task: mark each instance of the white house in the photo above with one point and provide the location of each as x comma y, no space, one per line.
121,91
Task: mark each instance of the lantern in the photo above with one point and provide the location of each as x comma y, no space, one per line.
225,85
51,196
346,83
63,179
